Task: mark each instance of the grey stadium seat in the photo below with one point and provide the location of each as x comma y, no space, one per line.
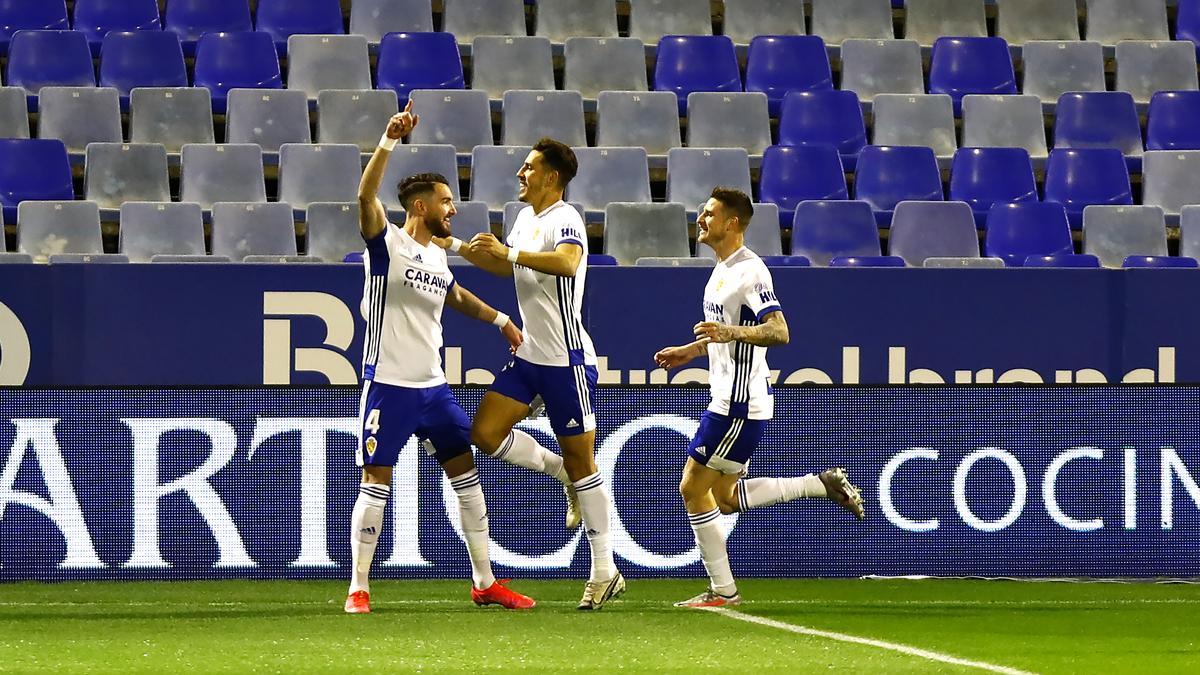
471,219
161,228
318,173
1145,67
173,116
333,230
530,115
919,119
317,62
226,172
1004,122
692,173
80,115
1020,21
560,20
762,236
1110,21
268,117
407,160
640,230
55,227
455,117
593,65
839,20
643,119
1171,180
1113,233
746,19
928,20
649,20
358,117
1054,68
241,229
1189,231
468,19
14,258
504,63
609,175
14,113
115,173
729,120
375,18
923,230
494,174
872,67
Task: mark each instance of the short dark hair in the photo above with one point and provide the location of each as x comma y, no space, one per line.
559,157
418,184
737,202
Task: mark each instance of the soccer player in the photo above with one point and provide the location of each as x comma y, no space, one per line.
404,388
546,254
742,318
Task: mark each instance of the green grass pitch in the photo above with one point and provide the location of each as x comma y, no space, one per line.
431,626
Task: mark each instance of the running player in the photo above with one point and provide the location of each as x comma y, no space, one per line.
742,318
546,254
404,388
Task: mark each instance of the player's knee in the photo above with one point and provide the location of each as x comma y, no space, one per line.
726,503
687,490
487,440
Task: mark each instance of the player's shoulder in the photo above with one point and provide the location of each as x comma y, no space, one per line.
563,213
748,265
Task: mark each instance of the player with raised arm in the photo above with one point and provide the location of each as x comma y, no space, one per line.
546,254
742,317
404,388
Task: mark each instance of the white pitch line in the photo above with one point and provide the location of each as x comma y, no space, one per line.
854,639
644,603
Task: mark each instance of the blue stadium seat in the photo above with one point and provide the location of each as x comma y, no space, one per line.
282,19
97,18
983,176
410,61
887,176
33,169
1017,231
227,61
793,174
1188,22
1098,119
141,59
823,230
777,64
1079,177
191,19
1172,121
601,260
40,58
832,117
1070,260
1158,262
688,63
18,15
786,261
867,261
922,230
971,65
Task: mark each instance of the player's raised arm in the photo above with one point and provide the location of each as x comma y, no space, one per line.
372,218
467,303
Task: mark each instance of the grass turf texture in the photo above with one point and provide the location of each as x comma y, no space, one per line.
298,626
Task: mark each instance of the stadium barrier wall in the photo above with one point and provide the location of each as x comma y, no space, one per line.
260,482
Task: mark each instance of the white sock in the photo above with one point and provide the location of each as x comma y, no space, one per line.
712,551
593,506
757,492
521,449
366,522
472,510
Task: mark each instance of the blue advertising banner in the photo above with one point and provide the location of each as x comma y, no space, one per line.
992,481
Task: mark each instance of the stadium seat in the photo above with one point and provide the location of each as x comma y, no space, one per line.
333,230
561,20
14,113
46,228
97,18
512,209
601,260
471,219
1110,21
160,228
1067,260
867,261
530,115
1022,21
318,62
1005,122
984,176
115,173
673,261
593,65
358,117
652,20
643,119
1055,68
141,59
1099,119
459,118
1171,180
1080,177
778,64
494,174
1144,68
838,21
792,174
1113,233
409,159
1189,231
746,19
761,236
267,117
373,19
916,120
34,169
1171,121
49,58
824,230
1188,22
190,19
928,20
729,120
688,63
227,61
609,175
641,230
13,258
80,115
971,65
829,117
874,67
241,229
318,173
410,61
1158,262
692,173
1017,231
505,63
225,172
887,176
960,262
281,19
173,117
923,230
785,261
469,19
18,15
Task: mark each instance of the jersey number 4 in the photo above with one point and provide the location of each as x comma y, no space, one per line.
372,424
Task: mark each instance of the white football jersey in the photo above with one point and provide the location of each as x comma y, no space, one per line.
403,297
740,292
551,306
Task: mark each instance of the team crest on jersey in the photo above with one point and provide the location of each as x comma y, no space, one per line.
371,445
720,283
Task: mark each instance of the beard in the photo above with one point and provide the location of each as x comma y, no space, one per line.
438,228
